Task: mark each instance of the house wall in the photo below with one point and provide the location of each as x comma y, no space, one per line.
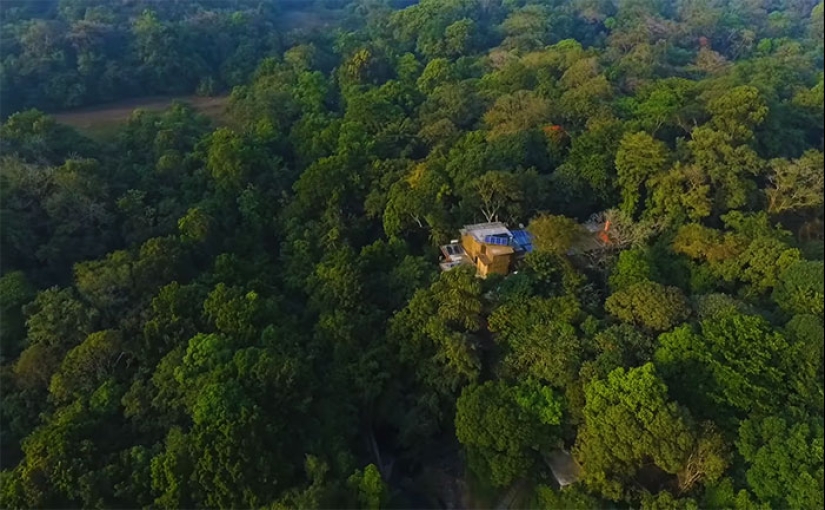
486,263
499,264
471,246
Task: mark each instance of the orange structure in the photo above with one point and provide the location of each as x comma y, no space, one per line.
603,234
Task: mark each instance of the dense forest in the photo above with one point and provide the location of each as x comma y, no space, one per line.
251,314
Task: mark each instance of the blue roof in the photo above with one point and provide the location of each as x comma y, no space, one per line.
523,239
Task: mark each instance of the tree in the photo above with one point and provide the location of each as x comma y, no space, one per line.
620,345
515,113
548,350
572,498
437,72
526,29
37,138
639,158
554,234
817,29
784,460
738,111
732,364
649,305
86,366
753,252
624,231
371,491
628,422
800,288
231,159
587,176
498,191
460,37
435,337
795,185
416,199
497,432
15,292
666,102
679,194
194,226
728,163
586,92
633,266
57,317
707,462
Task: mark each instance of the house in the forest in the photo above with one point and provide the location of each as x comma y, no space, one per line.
491,248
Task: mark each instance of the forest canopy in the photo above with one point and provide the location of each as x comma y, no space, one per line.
250,313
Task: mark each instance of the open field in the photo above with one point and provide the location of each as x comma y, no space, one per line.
102,120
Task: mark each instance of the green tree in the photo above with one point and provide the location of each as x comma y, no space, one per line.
800,288
527,28
679,194
794,185
632,267
438,347
649,305
515,113
15,292
554,234
620,345
498,192
667,103
370,489
738,111
86,366
629,421
784,460
497,432
57,317
728,164
572,498
638,158
732,364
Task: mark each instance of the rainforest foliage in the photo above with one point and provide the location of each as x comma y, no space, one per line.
250,315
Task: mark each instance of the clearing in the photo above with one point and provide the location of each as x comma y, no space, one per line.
100,121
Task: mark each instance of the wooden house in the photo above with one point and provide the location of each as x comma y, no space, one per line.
490,247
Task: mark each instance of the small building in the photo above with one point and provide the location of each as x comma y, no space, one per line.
491,247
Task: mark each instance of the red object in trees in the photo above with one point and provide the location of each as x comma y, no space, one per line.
703,42
603,234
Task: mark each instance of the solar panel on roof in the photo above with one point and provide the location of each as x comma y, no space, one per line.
496,240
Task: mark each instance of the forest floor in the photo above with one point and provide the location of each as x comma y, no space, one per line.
101,121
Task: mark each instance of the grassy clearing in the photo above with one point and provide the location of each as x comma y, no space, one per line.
102,121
